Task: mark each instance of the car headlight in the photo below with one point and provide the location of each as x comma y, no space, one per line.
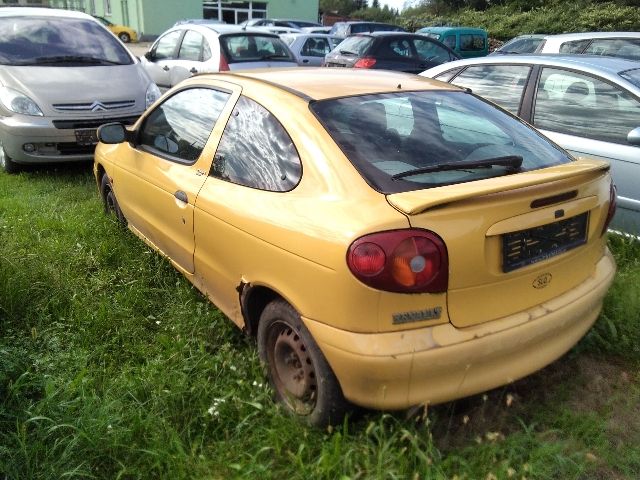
153,93
18,102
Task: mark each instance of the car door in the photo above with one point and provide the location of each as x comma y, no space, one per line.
255,166
313,51
159,60
592,117
192,56
158,177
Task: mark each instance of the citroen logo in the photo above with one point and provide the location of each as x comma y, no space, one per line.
97,107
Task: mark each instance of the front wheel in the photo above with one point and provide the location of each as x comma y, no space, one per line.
109,199
6,164
298,371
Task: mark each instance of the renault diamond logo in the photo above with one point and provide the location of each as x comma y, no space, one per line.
97,107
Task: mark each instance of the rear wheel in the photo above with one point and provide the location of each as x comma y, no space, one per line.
124,37
109,199
298,371
6,164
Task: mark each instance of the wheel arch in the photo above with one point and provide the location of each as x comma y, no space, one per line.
253,300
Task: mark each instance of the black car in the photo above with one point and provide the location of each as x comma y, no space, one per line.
405,52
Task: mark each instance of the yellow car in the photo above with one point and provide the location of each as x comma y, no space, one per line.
390,240
125,34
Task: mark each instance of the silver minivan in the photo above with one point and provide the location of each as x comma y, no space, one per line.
62,75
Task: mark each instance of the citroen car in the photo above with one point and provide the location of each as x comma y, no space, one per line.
124,33
389,240
62,74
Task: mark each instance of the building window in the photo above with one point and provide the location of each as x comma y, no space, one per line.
107,7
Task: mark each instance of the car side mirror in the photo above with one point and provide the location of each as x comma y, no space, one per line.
634,137
150,56
112,133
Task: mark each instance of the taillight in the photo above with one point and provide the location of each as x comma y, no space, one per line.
365,62
224,65
612,208
405,261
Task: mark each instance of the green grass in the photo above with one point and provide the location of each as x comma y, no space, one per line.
113,366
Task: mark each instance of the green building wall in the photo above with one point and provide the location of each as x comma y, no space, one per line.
299,9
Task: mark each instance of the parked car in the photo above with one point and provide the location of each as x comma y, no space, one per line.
405,52
188,49
588,105
310,49
316,29
465,41
344,29
124,33
391,241
62,74
198,21
613,44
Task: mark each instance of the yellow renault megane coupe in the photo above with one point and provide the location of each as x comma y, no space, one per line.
389,240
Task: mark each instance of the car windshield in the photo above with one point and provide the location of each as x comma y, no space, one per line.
415,140
632,76
55,41
254,48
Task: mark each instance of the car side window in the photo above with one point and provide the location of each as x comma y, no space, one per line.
191,47
179,128
574,46
256,151
166,46
584,106
615,47
502,84
449,41
431,51
316,47
471,42
396,47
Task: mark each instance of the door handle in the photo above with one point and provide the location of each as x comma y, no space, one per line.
305,61
193,70
166,68
180,195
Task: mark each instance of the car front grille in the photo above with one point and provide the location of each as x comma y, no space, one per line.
526,247
94,106
73,124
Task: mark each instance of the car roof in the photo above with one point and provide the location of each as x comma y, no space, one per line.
449,29
587,35
221,28
324,83
42,12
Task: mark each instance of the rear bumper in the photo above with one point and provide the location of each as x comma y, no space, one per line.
441,363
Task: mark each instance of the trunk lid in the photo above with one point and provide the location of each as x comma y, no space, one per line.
515,241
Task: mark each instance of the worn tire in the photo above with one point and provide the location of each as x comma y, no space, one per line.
6,164
109,200
298,371
124,37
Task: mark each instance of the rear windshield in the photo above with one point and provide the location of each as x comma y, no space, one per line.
632,76
374,27
254,48
51,41
355,45
391,137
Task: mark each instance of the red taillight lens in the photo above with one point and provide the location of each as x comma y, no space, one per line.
406,261
224,65
365,62
612,208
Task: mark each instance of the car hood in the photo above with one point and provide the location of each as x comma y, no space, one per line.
48,86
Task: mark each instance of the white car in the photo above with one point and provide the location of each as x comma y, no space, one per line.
187,49
588,105
611,44
310,48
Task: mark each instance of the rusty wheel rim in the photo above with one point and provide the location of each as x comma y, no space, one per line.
292,369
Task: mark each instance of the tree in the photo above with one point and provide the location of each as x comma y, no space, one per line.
375,4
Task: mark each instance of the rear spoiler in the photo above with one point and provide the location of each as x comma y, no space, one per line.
418,201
